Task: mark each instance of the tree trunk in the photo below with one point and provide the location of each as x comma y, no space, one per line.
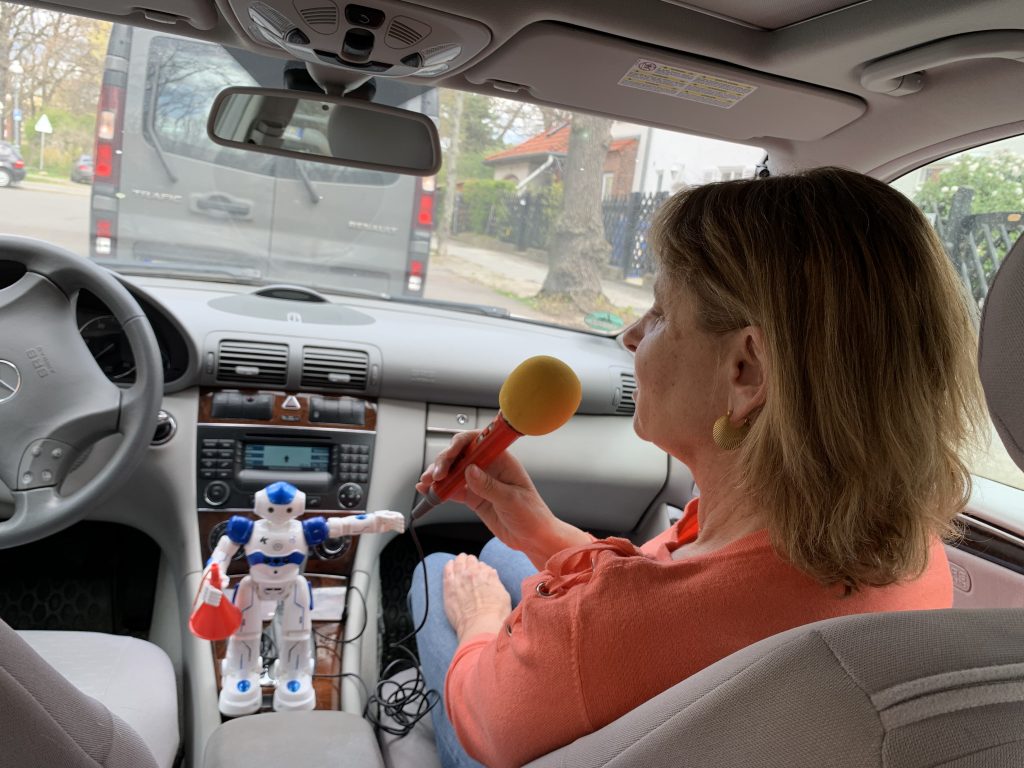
578,246
451,175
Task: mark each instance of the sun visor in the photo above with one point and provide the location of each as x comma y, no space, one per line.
592,72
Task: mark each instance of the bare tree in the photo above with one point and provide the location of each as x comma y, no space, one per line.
578,246
451,162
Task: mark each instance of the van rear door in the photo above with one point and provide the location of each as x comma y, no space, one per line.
342,227
349,227
185,200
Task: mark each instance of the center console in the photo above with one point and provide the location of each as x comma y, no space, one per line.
324,446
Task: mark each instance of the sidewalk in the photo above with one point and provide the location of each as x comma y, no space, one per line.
523,277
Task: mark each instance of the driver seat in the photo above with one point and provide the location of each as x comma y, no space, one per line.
915,689
96,700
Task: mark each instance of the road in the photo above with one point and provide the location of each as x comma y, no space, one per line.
57,213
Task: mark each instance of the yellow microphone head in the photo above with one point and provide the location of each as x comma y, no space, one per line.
540,395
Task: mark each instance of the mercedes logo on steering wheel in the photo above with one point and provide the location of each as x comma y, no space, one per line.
10,380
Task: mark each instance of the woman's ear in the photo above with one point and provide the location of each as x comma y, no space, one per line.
748,372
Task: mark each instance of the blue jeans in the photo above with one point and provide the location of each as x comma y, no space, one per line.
437,641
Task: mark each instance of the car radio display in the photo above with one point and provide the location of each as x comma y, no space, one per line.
293,458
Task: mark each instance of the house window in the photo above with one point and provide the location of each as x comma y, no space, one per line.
730,172
607,185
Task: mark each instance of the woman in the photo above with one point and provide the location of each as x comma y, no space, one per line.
810,357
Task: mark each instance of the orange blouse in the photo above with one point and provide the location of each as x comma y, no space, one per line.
607,626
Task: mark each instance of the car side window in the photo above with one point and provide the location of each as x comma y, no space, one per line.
975,201
183,77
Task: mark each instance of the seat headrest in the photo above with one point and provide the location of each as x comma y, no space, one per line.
1001,352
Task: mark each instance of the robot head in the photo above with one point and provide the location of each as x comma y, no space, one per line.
279,502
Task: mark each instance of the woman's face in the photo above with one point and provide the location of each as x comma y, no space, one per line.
681,381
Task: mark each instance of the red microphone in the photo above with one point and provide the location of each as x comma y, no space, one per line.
538,397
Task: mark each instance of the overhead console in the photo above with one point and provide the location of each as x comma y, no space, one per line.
384,39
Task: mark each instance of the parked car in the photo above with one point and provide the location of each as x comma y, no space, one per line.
82,169
12,166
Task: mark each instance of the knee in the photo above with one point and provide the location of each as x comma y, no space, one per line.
433,565
496,551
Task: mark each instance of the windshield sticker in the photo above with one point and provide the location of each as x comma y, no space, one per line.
647,75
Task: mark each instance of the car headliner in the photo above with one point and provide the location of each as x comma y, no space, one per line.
817,46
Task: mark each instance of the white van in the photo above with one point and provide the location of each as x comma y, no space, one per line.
165,194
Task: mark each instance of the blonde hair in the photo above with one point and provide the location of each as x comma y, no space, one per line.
872,389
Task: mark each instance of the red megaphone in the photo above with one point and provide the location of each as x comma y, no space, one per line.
213,617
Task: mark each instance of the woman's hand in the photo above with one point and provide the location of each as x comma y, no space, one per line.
505,499
474,599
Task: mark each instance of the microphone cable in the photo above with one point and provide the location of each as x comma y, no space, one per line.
394,707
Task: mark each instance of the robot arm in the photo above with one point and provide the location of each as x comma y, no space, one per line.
238,532
222,555
373,522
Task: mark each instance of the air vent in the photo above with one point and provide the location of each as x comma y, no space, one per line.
404,32
624,394
252,363
322,18
334,368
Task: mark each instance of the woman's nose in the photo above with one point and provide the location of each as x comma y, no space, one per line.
631,338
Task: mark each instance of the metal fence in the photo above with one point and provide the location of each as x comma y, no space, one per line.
626,222
527,221
977,243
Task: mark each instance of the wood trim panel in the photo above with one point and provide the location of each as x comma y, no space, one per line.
283,417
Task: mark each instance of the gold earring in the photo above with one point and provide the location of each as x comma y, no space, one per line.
726,436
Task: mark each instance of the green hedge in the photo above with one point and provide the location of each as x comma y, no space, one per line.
483,205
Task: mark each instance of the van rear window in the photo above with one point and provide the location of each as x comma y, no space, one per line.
183,77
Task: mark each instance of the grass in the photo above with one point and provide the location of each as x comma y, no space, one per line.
46,178
567,312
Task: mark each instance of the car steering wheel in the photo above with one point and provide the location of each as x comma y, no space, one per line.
55,401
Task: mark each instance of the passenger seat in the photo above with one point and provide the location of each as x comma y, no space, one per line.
86,699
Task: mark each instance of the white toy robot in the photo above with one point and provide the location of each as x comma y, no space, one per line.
276,547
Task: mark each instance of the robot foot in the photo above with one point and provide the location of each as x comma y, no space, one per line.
294,692
240,695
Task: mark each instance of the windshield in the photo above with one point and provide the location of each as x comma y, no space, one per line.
118,168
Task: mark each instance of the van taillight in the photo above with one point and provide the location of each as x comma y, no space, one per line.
103,238
105,125
425,214
109,119
425,203
104,166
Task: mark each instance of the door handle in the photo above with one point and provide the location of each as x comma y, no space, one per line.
218,205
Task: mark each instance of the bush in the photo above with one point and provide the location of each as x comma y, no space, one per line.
997,181
73,135
483,205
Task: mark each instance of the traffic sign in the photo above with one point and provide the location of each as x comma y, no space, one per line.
17,115
43,125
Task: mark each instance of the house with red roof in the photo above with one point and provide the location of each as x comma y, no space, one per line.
537,161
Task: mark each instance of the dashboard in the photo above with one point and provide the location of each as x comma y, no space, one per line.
109,345
352,397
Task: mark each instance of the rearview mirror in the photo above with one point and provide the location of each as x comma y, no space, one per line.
325,129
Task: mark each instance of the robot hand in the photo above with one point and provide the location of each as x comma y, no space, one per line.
373,522
222,572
